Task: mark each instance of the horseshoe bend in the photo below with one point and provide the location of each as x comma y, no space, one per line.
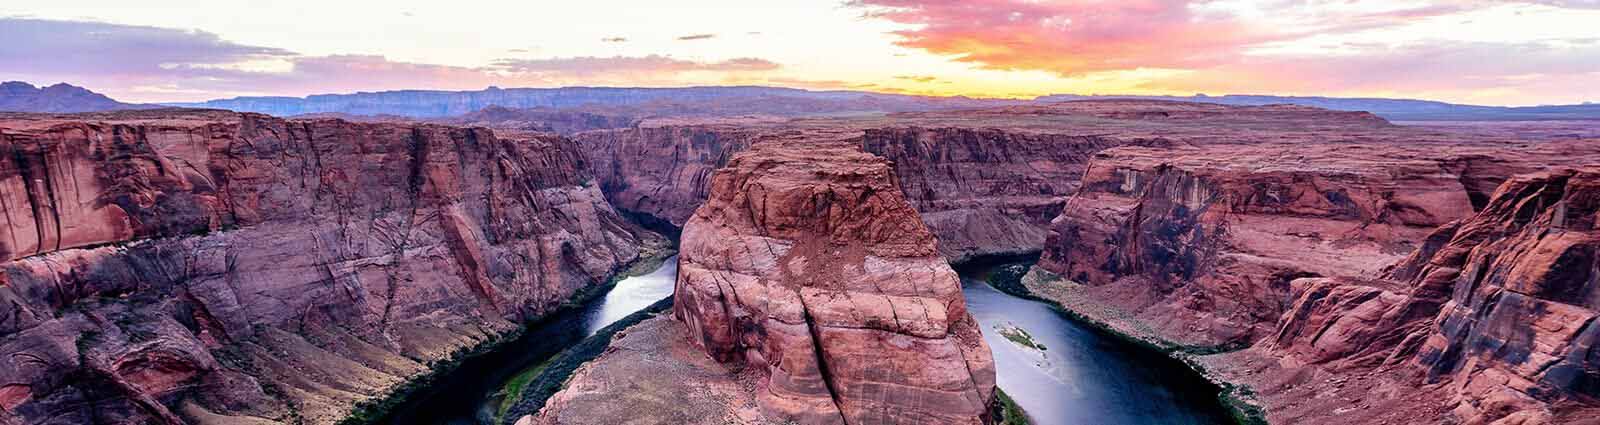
867,212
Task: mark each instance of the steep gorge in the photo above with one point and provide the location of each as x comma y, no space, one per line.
177,266
982,191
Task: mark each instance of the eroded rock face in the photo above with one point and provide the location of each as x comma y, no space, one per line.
808,264
1495,312
1518,327
1204,249
201,266
985,191
662,171
982,191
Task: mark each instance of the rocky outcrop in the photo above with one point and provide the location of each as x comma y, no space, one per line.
212,267
1498,310
807,264
1204,249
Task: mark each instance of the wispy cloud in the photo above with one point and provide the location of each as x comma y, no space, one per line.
614,39
1250,45
1068,37
917,78
697,37
139,63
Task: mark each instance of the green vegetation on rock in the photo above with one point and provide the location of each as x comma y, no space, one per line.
1006,411
547,379
1019,336
376,410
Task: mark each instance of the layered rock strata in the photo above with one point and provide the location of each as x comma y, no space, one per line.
807,265
1496,312
982,191
1201,244
209,267
985,191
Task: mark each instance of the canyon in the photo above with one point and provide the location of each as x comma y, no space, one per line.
206,266
1201,230
216,267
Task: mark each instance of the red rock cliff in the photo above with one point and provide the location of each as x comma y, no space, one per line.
807,264
1497,311
985,191
1201,243
201,266
980,190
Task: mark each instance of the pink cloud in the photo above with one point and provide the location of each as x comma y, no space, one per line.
1474,72
1074,37
143,64
1069,37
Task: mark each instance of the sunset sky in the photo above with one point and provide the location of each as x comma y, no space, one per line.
1483,52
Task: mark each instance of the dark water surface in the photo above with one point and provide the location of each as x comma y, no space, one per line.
1079,377
468,395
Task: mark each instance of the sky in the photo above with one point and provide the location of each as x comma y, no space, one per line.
1494,52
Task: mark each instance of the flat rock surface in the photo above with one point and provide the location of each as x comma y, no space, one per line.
652,375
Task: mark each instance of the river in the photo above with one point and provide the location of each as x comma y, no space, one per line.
1071,374
470,394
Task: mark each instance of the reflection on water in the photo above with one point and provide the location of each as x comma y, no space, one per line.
1058,370
631,295
468,395
1061,372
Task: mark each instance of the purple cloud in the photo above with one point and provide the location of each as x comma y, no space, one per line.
139,63
48,46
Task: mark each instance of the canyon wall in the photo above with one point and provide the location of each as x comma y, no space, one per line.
981,191
1496,310
662,171
208,267
1200,244
985,191
1357,281
808,265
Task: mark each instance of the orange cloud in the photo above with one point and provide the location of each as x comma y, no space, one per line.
1070,37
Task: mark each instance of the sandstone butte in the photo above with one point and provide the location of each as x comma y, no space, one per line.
809,291
807,263
180,266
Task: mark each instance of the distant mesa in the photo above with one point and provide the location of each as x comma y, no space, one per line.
1390,109
17,96
639,102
